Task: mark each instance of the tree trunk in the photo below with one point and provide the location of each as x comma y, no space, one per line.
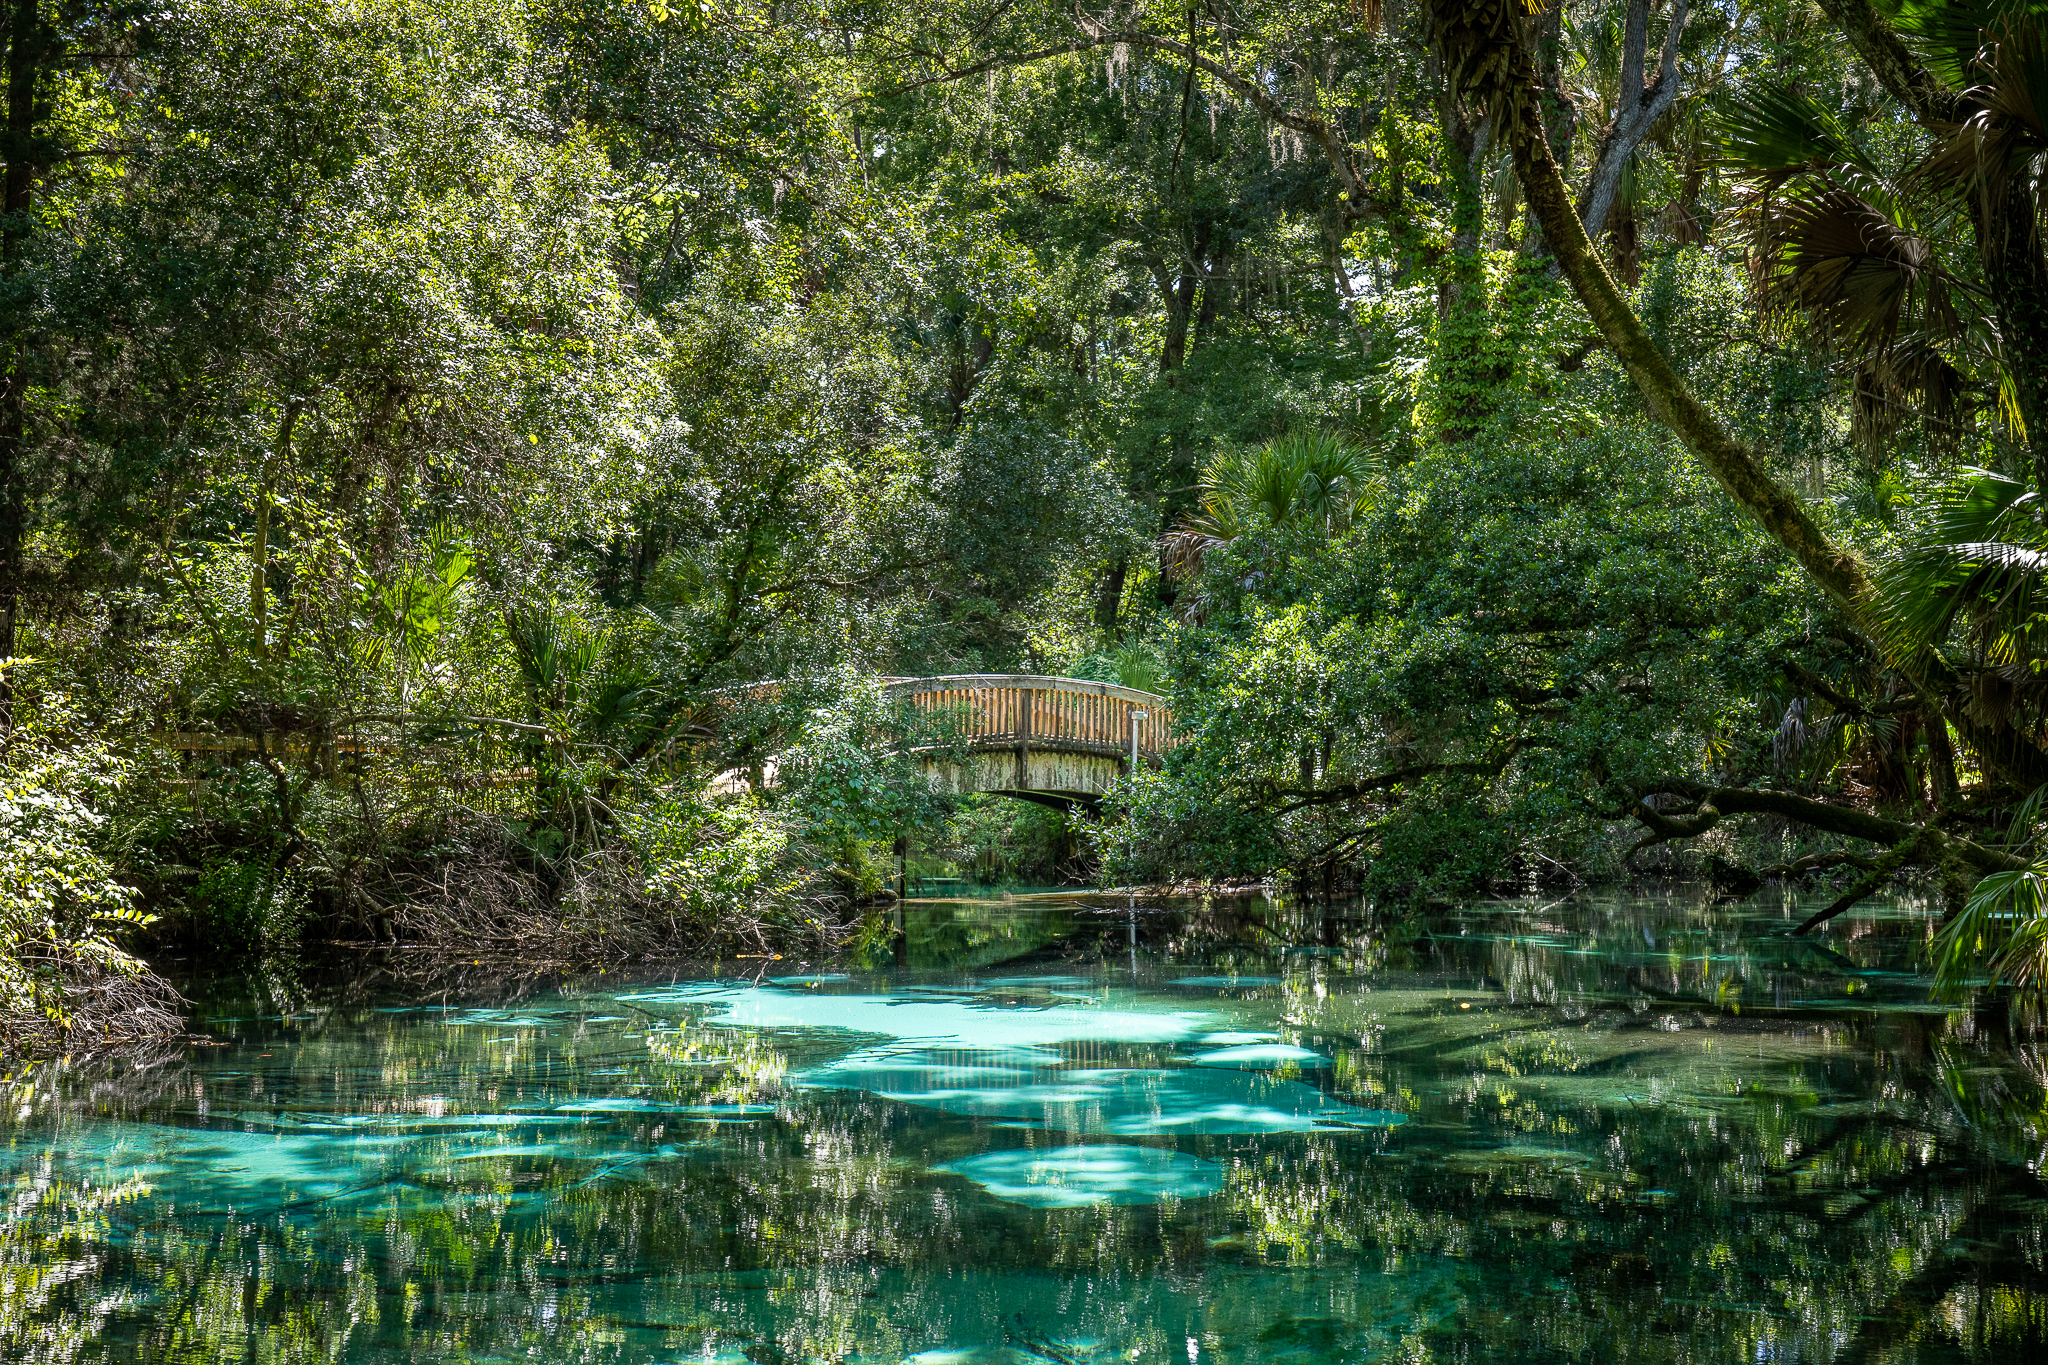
1637,105
1560,115
1941,764
1896,69
1627,237
1109,598
1737,470
1179,297
970,361
259,558
1215,297
2018,278
13,519
1469,374
1462,293
2007,242
31,52
1490,36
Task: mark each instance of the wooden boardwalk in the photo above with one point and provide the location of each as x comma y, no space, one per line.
1057,741
1060,741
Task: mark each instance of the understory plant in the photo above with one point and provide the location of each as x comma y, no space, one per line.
65,980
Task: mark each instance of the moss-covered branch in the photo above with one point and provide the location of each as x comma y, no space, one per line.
1483,50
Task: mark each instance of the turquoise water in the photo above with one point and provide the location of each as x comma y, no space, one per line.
1054,1130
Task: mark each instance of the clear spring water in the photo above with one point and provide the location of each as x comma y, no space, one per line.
1051,1131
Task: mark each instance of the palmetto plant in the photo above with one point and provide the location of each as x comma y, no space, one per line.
1974,585
408,614
1313,479
1861,253
1923,270
1981,565
2002,933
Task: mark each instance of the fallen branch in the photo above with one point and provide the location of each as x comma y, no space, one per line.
1924,846
1815,862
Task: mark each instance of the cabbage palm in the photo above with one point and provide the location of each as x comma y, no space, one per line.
1848,246
1982,564
1882,281
1308,479
1929,273
2001,935
1975,581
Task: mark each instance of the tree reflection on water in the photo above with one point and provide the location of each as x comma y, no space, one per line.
1627,1130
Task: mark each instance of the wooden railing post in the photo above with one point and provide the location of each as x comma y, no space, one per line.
1030,700
1081,719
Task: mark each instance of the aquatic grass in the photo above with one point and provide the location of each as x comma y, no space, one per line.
959,1169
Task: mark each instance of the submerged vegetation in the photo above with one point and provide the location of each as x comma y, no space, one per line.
467,469
1447,1135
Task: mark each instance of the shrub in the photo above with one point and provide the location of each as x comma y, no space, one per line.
64,980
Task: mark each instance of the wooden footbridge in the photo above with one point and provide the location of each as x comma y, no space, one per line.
1055,741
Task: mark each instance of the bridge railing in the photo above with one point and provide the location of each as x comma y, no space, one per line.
1018,713
1028,710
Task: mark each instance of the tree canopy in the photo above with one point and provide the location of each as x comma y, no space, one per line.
465,469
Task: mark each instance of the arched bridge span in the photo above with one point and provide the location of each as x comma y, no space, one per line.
1056,741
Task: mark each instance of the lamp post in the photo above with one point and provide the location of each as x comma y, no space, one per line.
1136,716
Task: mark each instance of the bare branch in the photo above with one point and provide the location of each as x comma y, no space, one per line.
997,63
1638,106
1921,847
1821,688
1351,791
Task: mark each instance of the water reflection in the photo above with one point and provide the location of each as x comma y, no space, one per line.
1633,1130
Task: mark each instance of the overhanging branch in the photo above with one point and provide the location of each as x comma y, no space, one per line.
1484,53
1843,820
1352,791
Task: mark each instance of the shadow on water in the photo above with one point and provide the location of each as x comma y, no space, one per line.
1070,1128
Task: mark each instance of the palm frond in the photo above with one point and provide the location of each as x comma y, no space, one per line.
1854,254
1780,133
2002,135
1314,478
1862,278
1950,35
1182,552
1911,374
1984,559
2026,819
2001,934
552,653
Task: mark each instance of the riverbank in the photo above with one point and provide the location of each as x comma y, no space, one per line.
459,943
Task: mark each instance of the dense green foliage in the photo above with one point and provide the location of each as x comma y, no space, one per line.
425,427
